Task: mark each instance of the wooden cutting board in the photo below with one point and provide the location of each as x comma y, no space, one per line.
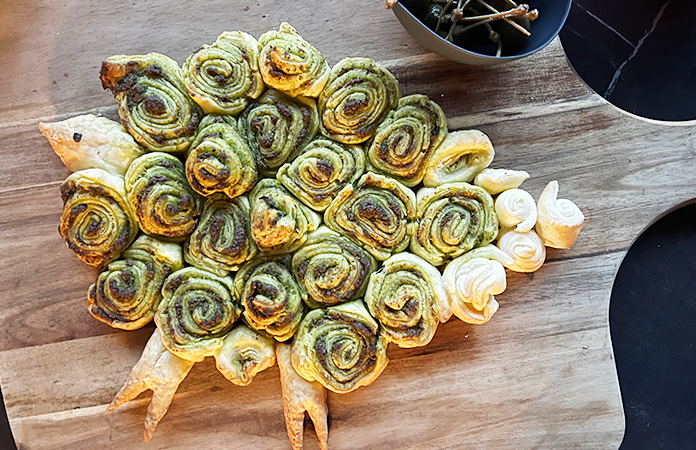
539,375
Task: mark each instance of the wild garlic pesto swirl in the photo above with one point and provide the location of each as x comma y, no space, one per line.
154,105
270,296
405,140
222,239
340,347
331,269
451,220
377,212
279,222
219,160
197,310
460,157
358,96
277,127
243,354
224,76
290,64
97,222
408,299
321,171
127,293
158,191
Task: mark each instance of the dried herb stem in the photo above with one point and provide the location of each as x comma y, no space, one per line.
512,23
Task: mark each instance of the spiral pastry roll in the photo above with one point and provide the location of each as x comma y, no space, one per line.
127,293
377,212
340,347
408,299
356,99
517,209
219,160
270,296
558,221
243,354
495,181
153,103
222,240
196,312
290,64
404,141
321,171
472,281
460,157
331,269
279,222
277,127
222,77
526,249
158,191
451,220
97,221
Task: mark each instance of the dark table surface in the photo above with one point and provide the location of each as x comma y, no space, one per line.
639,56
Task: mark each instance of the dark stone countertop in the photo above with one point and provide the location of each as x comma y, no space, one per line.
641,57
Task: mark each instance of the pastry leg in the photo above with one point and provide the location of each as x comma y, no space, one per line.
299,396
159,370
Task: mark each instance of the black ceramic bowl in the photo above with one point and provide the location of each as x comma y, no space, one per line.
552,16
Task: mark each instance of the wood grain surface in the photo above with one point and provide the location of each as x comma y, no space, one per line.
540,375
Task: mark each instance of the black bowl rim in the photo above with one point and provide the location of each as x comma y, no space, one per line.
481,55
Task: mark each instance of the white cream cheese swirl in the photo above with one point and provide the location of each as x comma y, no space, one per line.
517,209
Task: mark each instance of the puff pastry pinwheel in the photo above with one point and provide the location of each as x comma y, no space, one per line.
290,64
405,140
196,312
517,209
162,198
451,220
495,181
97,221
243,354
558,221
279,222
322,169
408,299
331,269
222,77
127,293
377,212
526,249
356,99
153,103
277,127
92,142
460,157
472,280
270,296
300,396
159,370
341,347
222,239
219,160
